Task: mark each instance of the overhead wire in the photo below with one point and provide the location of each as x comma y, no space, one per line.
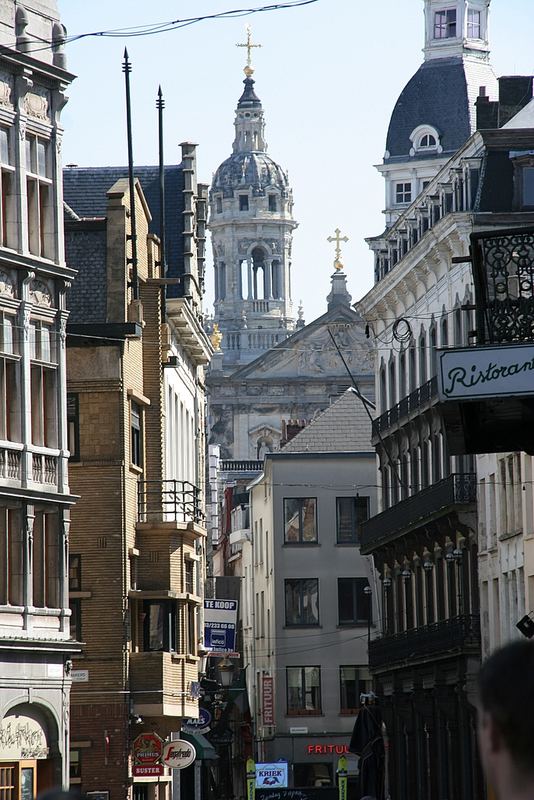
152,29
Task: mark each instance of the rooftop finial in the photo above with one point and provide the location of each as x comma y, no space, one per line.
249,69
338,238
216,338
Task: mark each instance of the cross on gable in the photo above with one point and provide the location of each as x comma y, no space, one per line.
338,238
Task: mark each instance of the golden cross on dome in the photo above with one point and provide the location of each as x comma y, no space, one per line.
338,238
249,44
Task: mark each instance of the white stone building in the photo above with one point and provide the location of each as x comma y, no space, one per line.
35,641
435,112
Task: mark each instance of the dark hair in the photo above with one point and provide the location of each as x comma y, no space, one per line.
506,689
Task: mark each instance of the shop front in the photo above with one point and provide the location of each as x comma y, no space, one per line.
30,760
313,760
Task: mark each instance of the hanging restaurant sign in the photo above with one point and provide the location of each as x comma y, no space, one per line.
473,373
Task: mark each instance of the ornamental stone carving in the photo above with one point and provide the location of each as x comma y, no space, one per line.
36,104
40,294
6,89
7,287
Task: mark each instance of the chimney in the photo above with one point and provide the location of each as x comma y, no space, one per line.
487,111
515,92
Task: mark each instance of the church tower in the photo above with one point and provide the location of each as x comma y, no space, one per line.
435,113
251,224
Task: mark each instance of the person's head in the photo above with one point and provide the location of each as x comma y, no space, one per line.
506,716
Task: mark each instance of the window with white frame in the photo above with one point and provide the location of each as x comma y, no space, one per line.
39,197
403,192
445,24
427,142
7,191
136,437
303,690
473,24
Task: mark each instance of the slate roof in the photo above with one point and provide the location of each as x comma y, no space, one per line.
436,95
344,427
85,193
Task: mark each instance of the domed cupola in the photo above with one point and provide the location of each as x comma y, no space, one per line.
435,113
251,223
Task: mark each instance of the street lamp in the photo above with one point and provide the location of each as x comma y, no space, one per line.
368,592
226,672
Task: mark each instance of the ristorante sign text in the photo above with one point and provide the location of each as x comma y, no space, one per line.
477,372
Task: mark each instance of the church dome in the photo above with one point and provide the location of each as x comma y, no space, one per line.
243,170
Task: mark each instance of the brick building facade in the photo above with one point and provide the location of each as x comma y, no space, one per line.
136,421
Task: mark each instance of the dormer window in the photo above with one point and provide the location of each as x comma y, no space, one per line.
218,205
243,202
445,24
425,138
427,142
473,24
272,202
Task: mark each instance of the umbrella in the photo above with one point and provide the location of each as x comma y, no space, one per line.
367,743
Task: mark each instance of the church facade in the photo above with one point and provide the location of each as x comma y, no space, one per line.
270,368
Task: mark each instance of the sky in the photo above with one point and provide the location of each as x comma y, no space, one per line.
328,75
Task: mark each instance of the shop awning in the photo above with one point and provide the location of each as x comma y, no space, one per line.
205,749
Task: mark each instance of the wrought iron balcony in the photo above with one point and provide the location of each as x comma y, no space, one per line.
434,501
168,501
412,403
504,285
456,635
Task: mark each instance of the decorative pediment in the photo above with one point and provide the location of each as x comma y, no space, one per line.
7,285
316,355
40,294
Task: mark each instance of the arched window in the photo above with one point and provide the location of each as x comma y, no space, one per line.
276,280
433,352
425,138
444,333
412,358
258,274
392,384
385,488
458,332
383,390
427,141
402,375
422,359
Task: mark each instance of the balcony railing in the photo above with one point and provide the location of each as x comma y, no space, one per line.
241,466
168,501
504,285
10,463
456,634
459,488
408,405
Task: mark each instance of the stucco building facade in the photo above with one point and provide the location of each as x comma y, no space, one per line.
309,596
